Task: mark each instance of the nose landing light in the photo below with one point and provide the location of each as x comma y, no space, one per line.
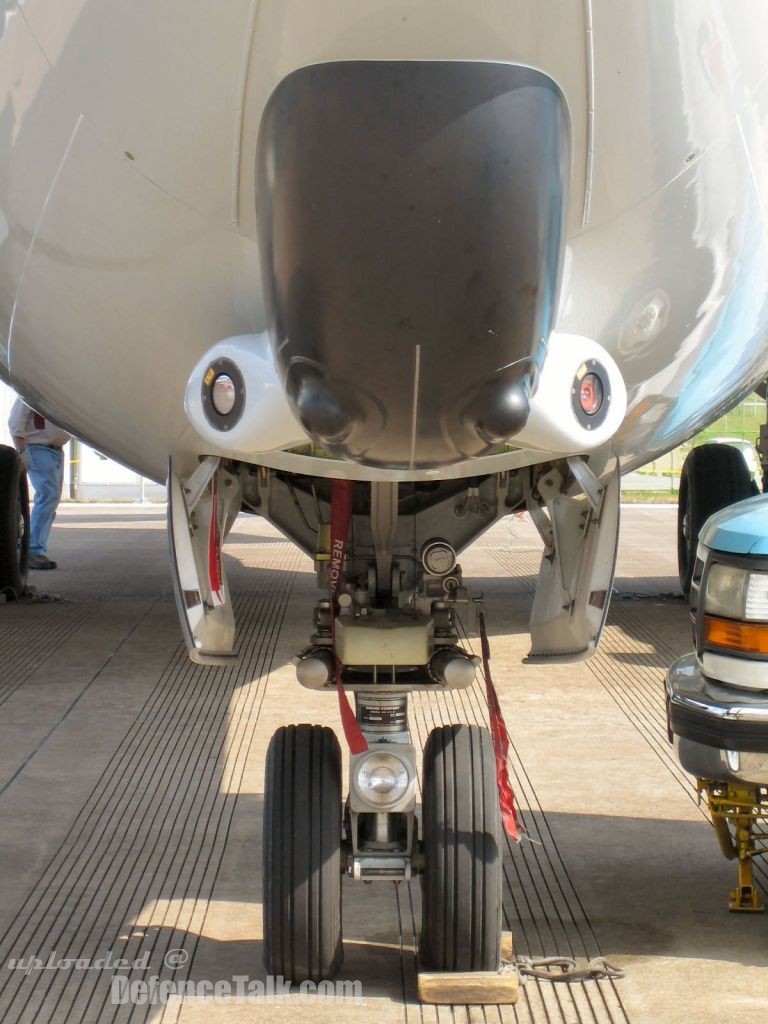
580,400
235,400
223,394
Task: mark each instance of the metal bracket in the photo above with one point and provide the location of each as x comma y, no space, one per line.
739,807
581,537
587,480
535,509
381,868
201,511
199,481
384,517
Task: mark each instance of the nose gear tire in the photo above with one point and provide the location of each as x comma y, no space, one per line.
461,884
302,854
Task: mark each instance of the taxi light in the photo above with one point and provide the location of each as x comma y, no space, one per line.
382,779
745,637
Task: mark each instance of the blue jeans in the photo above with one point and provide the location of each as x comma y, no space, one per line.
46,471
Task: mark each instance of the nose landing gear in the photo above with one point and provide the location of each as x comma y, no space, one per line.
459,858
393,622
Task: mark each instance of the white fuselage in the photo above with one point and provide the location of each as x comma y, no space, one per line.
129,239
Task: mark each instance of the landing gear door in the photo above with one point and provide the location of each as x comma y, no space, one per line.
200,511
581,536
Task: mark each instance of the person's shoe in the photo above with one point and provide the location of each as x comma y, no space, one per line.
41,562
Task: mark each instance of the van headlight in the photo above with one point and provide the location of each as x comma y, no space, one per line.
725,591
736,593
736,610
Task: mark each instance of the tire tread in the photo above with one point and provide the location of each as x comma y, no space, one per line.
713,477
302,864
461,925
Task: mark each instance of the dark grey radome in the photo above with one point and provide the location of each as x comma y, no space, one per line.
411,217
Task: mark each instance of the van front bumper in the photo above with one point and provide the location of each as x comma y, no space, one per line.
719,732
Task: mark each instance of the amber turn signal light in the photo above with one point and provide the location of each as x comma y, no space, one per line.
746,637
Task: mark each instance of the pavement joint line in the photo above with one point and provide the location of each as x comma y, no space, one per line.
550,849
108,776
403,986
657,740
537,891
224,693
641,707
259,693
533,868
108,660
27,659
281,594
523,784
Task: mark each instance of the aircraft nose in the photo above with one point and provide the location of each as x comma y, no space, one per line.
411,224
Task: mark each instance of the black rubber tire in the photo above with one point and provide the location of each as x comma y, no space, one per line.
461,884
14,524
714,476
302,854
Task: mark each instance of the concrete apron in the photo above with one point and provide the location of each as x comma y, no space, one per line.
132,788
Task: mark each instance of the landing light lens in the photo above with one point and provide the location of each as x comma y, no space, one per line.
382,779
223,394
591,394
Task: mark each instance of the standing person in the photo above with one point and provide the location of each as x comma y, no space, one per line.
43,444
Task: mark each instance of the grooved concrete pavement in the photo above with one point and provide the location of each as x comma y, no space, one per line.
131,788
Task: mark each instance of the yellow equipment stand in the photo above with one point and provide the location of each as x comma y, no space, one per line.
736,810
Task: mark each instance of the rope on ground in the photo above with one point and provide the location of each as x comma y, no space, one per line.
32,596
561,969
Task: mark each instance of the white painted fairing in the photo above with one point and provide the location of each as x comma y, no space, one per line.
270,424
128,230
